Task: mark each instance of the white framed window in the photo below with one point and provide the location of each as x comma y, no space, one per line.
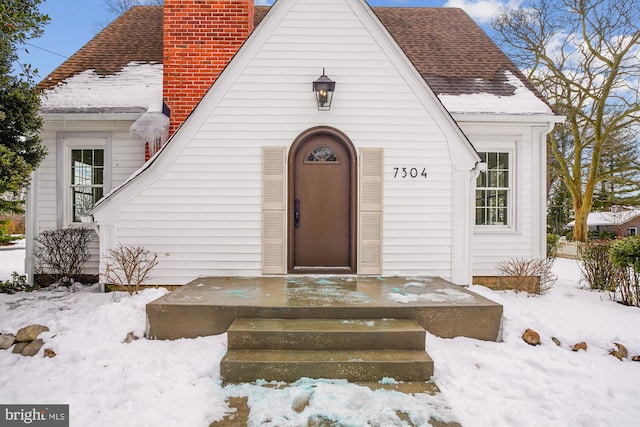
84,173
87,180
494,190
633,231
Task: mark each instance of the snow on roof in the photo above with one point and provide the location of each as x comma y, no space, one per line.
136,85
140,85
609,218
523,101
455,57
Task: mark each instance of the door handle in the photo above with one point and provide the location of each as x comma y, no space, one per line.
296,213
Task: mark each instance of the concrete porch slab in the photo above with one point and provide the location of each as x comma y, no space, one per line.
208,306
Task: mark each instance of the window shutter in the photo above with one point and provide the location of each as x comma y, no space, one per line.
371,170
273,210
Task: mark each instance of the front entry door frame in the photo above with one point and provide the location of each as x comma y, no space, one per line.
348,145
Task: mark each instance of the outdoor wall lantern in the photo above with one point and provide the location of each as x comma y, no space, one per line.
323,88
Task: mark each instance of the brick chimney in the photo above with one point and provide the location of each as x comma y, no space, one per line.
200,37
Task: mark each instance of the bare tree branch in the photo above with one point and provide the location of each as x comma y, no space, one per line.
583,56
117,7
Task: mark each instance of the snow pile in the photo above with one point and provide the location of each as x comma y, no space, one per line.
136,85
512,383
107,382
522,102
336,400
437,295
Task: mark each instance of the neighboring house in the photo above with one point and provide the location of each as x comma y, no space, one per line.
619,221
429,161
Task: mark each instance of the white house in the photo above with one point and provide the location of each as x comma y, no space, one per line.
429,161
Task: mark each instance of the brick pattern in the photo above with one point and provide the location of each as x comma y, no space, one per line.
200,38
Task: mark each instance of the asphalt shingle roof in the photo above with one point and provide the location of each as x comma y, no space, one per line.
135,36
447,47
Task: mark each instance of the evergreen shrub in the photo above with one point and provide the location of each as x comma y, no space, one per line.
597,267
625,254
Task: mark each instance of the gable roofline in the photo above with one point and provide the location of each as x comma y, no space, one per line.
542,119
467,156
419,82
468,62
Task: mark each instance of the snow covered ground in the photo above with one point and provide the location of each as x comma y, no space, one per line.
11,259
177,383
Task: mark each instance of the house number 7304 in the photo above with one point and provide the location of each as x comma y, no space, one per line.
409,173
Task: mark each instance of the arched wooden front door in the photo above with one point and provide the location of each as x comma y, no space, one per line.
322,205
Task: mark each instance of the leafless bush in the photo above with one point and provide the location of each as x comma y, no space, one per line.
62,253
533,276
128,267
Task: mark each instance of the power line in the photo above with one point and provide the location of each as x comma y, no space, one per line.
46,50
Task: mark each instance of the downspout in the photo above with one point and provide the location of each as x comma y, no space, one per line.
475,173
88,220
31,227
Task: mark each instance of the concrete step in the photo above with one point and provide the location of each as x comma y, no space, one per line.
326,334
291,365
208,306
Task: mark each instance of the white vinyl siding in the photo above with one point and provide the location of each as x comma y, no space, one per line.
418,211
203,216
493,244
209,203
127,155
200,207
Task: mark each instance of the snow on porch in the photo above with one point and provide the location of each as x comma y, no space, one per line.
208,306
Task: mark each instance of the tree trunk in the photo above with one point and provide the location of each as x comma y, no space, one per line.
580,228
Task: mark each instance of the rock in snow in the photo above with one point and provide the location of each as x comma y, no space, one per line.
30,333
6,341
620,351
531,337
19,347
580,346
26,340
32,348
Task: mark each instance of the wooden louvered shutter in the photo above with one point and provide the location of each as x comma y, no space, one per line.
273,210
371,169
